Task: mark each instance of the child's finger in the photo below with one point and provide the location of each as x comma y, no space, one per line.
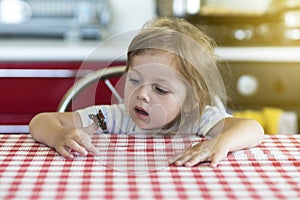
84,140
183,158
196,159
77,147
89,146
64,152
216,158
214,161
175,158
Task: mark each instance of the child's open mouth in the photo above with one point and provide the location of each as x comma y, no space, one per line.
141,112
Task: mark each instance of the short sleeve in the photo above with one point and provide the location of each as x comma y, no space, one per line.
211,116
84,113
115,116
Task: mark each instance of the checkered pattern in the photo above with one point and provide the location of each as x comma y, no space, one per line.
30,170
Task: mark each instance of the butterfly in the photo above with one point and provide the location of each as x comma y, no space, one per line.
99,119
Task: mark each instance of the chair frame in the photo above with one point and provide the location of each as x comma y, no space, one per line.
95,76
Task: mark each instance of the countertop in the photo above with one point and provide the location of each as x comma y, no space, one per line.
115,49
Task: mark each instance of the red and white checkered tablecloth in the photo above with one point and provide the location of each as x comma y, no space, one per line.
30,170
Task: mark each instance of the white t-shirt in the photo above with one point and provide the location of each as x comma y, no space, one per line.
118,120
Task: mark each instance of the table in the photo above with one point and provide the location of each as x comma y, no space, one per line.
30,170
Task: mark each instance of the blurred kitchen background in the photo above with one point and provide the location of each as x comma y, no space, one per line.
229,22
42,40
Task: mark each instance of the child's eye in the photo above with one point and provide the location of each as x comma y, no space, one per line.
161,90
133,80
133,77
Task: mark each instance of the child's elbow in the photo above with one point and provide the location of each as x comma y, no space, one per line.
35,123
258,129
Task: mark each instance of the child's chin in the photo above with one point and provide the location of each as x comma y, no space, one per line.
149,127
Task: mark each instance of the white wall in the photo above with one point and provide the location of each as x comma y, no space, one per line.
130,14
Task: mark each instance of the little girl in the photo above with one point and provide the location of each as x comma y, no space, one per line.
172,86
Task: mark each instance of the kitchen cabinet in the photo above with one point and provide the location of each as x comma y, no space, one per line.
34,75
28,88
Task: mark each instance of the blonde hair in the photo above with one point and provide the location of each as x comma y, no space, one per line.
194,51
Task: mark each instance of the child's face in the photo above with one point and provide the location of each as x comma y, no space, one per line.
154,91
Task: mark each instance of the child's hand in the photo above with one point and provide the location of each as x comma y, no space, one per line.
77,140
212,151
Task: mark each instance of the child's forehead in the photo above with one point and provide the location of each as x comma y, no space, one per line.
160,74
155,57
154,71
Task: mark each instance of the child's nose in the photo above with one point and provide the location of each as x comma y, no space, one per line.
143,93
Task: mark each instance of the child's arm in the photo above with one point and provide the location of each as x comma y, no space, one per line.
236,134
64,132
